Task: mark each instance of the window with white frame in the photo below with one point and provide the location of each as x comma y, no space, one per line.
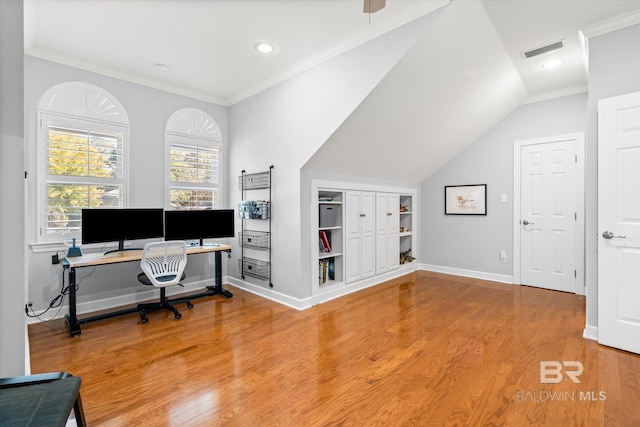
193,158
82,157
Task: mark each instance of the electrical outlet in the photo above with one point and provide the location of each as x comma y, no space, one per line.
503,256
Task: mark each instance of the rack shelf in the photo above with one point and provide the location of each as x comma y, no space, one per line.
255,242
255,268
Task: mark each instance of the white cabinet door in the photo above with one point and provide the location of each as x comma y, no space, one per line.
368,209
393,251
353,265
360,232
387,232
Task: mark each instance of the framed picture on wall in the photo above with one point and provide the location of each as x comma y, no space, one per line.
465,199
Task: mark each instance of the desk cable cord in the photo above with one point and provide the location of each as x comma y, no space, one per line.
55,303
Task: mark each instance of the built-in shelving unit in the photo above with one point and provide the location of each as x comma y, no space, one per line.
255,235
406,229
330,238
361,235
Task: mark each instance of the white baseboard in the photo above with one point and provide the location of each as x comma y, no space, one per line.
270,294
590,332
340,291
503,278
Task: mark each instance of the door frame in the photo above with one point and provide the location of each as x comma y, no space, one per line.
580,200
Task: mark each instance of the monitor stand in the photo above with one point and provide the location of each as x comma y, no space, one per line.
121,248
211,245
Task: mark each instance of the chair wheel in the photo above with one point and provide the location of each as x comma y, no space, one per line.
189,305
143,318
178,316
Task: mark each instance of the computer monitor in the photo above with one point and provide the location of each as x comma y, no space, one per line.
199,224
117,225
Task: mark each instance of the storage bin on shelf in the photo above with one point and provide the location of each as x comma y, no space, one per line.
254,209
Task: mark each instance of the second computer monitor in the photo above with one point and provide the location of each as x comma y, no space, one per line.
199,224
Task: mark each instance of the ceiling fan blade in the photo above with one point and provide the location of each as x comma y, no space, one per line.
372,6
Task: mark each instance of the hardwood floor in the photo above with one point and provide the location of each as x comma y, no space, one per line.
426,350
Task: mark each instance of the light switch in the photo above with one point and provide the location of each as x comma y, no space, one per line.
503,198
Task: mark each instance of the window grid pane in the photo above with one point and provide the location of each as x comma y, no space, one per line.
193,164
193,198
84,153
66,201
94,156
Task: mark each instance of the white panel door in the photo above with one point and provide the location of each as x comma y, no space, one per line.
619,222
382,232
393,244
548,215
361,232
387,232
368,227
353,265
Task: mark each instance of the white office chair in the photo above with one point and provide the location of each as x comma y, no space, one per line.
163,265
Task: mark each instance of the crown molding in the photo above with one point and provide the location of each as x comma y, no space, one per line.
612,24
558,93
131,78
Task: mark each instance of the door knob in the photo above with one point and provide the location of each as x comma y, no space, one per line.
525,222
610,235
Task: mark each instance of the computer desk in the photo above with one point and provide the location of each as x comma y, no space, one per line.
93,260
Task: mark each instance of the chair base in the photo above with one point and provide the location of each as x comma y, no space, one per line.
163,304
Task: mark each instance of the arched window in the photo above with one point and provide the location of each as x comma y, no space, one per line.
193,160
82,153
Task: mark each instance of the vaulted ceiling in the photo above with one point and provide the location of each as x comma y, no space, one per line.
464,74
204,48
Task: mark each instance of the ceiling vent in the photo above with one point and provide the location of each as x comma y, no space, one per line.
543,49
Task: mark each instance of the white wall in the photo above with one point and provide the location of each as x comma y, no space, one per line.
13,337
284,125
473,243
148,110
614,69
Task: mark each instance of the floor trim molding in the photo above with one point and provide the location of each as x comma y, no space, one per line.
502,278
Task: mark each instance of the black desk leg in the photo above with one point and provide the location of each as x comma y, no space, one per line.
217,289
72,317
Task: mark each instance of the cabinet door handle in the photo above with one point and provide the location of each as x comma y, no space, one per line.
362,215
389,214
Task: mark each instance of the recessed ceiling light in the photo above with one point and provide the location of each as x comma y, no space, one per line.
264,47
550,65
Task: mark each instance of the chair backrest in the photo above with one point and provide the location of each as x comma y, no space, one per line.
164,262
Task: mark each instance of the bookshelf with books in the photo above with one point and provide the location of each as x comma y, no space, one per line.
407,225
330,237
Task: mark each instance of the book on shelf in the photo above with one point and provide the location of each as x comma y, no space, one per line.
325,241
326,270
